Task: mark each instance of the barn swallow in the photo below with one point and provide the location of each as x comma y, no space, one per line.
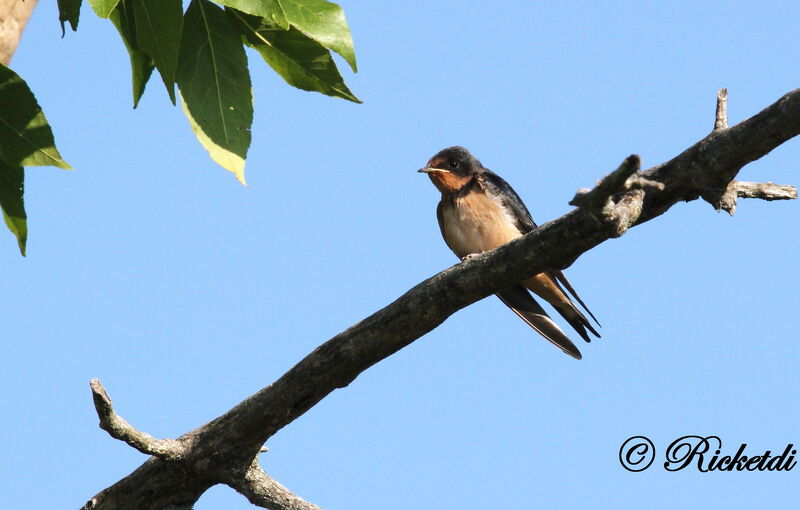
480,211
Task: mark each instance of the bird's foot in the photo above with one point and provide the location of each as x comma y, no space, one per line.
469,257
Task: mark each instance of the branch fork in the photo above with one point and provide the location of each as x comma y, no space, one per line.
256,485
625,184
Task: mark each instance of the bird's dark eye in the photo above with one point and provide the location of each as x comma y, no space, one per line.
453,163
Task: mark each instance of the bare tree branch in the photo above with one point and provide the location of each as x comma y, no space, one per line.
120,429
762,190
223,450
262,490
599,201
595,200
721,119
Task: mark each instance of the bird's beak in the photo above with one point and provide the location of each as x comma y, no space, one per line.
428,170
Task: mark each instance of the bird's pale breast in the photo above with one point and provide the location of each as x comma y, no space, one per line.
476,222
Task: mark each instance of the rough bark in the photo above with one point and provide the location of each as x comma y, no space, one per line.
224,450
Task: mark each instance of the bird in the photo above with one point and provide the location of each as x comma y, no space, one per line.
480,211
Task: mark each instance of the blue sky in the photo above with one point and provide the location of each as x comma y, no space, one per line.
151,268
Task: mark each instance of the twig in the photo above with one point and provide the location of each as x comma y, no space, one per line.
626,181
764,190
721,118
596,199
639,182
761,190
118,428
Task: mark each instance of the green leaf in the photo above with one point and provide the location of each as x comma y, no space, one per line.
158,33
69,10
270,10
25,136
222,156
298,59
324,22
103,8
215,85
141,64
11,191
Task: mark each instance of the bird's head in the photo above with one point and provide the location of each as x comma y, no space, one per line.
451,169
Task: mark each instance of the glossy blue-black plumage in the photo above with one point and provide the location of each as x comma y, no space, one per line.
459,161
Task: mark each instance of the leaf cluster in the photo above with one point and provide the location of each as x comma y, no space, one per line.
201,51
25,140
